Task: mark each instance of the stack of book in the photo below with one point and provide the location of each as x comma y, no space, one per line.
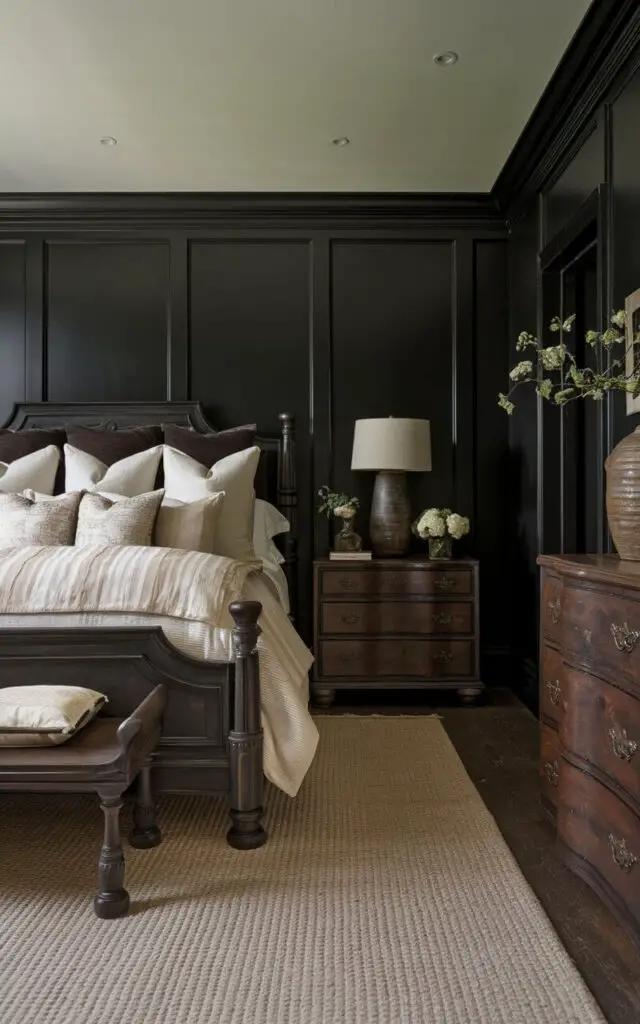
349,556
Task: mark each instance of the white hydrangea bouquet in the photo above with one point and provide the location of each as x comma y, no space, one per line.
440,526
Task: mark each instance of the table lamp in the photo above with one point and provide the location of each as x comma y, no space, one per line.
391,448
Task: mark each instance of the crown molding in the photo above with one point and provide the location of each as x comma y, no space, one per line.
457,209
606,40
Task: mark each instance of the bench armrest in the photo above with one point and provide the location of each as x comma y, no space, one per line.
145,719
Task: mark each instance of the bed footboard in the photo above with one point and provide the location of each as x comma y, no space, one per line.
211,739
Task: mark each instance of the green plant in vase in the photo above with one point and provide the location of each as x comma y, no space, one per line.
440,526
336,505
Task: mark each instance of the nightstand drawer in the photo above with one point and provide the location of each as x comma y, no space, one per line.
370,659
395,617
427,582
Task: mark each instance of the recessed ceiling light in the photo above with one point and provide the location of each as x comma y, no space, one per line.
342,140
108,140
446,59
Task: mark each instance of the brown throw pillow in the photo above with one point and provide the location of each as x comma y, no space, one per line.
15,444
112,445
209,448
124,521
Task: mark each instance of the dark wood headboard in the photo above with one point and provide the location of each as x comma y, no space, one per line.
276,481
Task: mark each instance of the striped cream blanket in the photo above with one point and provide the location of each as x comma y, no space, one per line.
188,585
187,594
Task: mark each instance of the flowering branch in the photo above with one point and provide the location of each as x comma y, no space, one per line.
609,375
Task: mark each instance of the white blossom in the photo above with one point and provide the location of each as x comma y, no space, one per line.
344,511
431,524
522,369
619,318
457,525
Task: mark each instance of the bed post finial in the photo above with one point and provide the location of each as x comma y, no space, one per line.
288,503
245,738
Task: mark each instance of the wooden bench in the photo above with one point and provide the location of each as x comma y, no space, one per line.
106,756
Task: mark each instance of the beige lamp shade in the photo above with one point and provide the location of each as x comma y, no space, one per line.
392,444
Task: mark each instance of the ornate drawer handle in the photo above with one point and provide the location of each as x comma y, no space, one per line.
443,657
443,583
555,692
622,746
623,857
350,584
551,771
555,610
350,618
624,638
442,619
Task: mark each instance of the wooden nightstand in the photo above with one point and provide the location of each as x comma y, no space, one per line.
396,623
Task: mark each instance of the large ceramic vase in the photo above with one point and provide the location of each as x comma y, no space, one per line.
623,496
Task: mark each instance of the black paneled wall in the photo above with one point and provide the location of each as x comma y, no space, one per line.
332,309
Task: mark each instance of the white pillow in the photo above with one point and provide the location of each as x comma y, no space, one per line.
190,525
188,480
268,522
36,472
43,716
131,476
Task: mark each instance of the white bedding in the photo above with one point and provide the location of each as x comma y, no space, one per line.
290,736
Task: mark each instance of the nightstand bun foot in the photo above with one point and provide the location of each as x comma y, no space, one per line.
323,698
470,694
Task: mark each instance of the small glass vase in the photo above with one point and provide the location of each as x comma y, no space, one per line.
440,547
347,539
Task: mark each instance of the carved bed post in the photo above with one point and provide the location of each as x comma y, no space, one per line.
245,738
288,504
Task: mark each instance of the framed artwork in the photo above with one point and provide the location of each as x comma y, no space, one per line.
632,307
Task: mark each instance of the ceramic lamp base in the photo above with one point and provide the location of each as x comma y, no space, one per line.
390,523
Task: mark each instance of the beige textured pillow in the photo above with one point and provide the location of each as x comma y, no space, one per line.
43,716
188,525
188,480
126,521
35,519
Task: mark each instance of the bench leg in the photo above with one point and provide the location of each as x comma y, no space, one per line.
112,899
145,833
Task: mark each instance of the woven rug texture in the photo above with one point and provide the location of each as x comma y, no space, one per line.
385,895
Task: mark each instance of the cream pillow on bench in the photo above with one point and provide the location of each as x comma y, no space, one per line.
45,716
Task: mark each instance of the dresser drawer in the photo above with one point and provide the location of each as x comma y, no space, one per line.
603,729
549,763
599,828
395,617
551,684
427,582
371,659
603,630
551,606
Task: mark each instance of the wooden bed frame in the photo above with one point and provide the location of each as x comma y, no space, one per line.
212,737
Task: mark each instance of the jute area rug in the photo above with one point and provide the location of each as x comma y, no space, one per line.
385,895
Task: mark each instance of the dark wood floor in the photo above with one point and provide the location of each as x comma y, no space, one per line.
498,744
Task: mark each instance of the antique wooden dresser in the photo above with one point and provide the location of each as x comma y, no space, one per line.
590,721
396,623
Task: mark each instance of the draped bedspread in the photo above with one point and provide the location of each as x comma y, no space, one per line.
187,593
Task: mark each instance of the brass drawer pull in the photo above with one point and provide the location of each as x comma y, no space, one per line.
551,771
624,638
442,619
444,583
555,610
554,690
350,584
443,657
622,746
623,857
350,618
